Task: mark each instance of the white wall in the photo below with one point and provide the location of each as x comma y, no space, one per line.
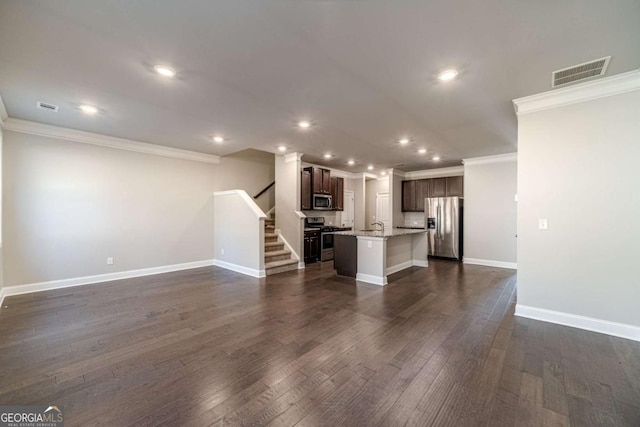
250,170
68,206
490,211
1,204
395,195
578,168
373,187
357,185
239,232
291,226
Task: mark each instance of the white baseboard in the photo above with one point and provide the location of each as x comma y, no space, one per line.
621,330
99,278
368,278
301,265
420,263
490,263
240,268
1,296
398,267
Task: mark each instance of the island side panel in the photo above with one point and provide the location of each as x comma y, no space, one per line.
345,258
420,250
399,253
372,260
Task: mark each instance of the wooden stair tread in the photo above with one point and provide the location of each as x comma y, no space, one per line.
280,263
277,253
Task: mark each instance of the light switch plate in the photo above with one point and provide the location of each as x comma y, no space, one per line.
543,224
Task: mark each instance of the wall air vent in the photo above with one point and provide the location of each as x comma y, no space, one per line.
49,107
580,72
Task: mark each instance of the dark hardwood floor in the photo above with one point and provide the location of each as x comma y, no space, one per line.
439,346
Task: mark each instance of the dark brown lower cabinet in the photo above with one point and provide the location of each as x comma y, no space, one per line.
311,246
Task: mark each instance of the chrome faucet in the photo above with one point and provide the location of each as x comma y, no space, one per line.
381,224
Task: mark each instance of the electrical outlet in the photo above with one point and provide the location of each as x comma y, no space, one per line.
109,261
222,251
369,244
415,222
543,224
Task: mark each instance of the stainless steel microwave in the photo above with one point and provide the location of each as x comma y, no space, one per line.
322,202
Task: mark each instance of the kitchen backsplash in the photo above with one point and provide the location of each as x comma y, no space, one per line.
414,219
330,217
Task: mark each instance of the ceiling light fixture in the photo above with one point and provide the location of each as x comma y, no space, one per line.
383,173
436,158
351,162
165,70
304,124
219,139
422,150
88,109
282,148
404,141
447,75
370,167
328,156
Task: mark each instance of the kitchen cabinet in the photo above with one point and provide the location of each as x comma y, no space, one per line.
305,189
320,180
422,192
455,186
311,246
337,193
437,187
414,192
408,196
413,195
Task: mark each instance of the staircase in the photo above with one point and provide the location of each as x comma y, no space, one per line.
277,259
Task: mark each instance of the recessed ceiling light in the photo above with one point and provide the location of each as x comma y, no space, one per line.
422,150
404,141
436,158
370,167
351,162
165,70
383,173
448,75
304,124
282,148
88,109
328,156
219,139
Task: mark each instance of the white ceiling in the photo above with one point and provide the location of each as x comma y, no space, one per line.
362,71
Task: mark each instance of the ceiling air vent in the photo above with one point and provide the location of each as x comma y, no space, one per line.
46,106
580,72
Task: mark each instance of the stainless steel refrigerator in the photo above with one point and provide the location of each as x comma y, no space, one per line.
444,225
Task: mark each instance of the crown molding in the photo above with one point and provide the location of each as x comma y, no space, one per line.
601,88
292,157
499,158
435,173
41,129
3,112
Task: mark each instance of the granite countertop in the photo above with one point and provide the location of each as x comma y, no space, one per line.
387,233
412,228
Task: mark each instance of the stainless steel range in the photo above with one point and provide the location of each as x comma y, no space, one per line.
326,235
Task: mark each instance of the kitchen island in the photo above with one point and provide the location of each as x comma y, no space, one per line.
371,256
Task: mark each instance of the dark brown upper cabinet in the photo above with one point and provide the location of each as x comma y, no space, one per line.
413,195
437,187
414,192
321,180
455,186
305,190
337,193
